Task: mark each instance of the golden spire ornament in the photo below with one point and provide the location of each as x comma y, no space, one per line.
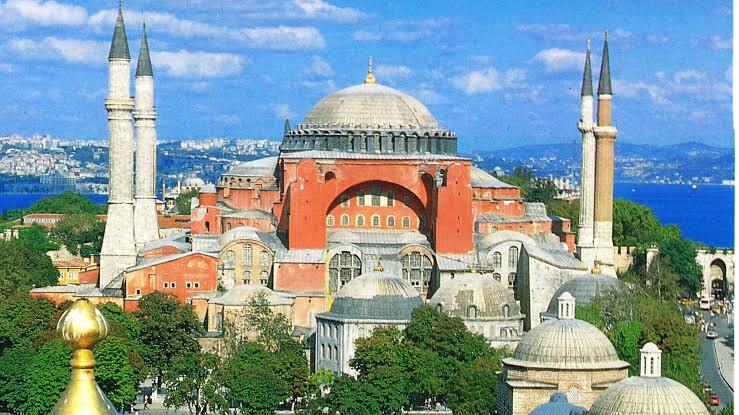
378,267
82,325
370,79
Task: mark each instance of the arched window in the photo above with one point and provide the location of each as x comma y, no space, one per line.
336,353
472,311
263,277
512,257
323,351
376,196
264,259
417,269
503,333
511,280
360,199
248,255
247,277
330,353
375,220
496,276
228,226
497,259
391,199
406,222
230,258
207,226
360,220
345,220
329,221
506,311
344,201
342,268
391,221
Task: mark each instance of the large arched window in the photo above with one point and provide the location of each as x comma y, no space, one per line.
342,268
497,259
345,220
512,257
417,269
360,220
506,311
248,254
263,278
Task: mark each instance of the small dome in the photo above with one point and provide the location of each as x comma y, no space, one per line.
367,106
377,296
194,182
584,287
491,298
566,344
646,396
242,294
557,405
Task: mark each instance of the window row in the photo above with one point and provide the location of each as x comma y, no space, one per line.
343,267
375,221
263,277
512,258
416,269
188,284
247,257
503,332
511,279
330,331
329,352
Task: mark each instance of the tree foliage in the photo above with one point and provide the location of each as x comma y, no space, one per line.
23,267
47,376
66,203
37,238
23,319
533,189
81,233
114,373
681,254
475,388
168,330
194,381
256,379
182,201
569,209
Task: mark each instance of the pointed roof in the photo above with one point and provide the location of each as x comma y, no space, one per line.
287,125
587,76
119,45
144,66
604,83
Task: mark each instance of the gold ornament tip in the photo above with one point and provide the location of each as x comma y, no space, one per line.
82,325
370,79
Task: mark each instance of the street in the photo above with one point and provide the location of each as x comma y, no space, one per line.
710,366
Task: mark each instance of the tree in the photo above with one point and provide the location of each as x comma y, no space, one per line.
542,191
65,203
474,391
37,238
682,257
47,377
114,373
22,268
23,319
625,338
182,201
168,330
81,233
14,364
253,380
382,348
569,209
194,381
349,396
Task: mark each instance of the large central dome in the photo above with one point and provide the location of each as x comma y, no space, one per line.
371,106
370,118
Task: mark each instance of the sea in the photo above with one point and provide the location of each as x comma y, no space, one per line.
705,213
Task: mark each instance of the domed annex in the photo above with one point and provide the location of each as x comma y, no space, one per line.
563,355
585,288
370,118
371,300
485,305
557,405
649,393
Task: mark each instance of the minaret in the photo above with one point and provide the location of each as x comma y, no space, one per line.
585,250
605,136
146,226
119,248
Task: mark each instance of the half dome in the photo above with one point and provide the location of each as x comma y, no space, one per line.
376,296
490,298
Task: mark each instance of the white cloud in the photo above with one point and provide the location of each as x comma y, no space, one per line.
319,9
8,67
282,111
42,13
719,43
658,39
363,35
429,96
558,31
159,22
280,38
487,80
70,50
186,64
392,72
320,67
556,59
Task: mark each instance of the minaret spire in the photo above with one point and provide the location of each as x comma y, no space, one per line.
604,83
587,76
585,250
119,45
144,66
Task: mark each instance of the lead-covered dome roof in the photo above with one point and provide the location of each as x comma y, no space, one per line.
648,396
566,344
490,298
585,288
375,296
368,106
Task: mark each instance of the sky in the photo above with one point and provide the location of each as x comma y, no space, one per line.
499,74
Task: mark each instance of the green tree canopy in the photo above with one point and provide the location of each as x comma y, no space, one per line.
114,373
23,267
182,201
37,238
194,381
681,254
474,391
23,319
256,379
66,203
533,189
168,330
81,233
47,376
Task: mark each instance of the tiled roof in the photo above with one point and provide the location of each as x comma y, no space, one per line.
322,154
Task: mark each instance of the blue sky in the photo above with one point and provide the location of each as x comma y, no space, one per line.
500,74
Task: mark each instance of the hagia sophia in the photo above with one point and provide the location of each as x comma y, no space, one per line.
367,213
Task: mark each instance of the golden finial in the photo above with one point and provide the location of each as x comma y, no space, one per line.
370,79
378,267
596,268
82,325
